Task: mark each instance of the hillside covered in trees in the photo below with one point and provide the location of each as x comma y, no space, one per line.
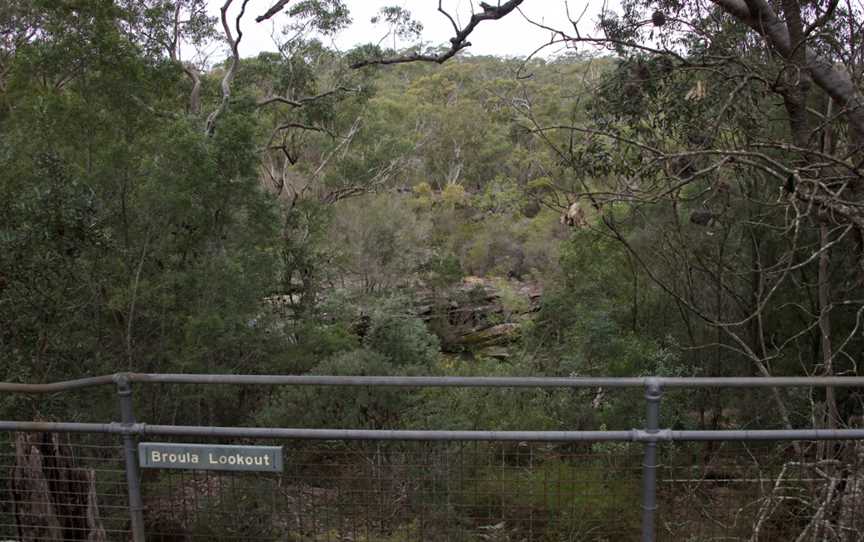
679,193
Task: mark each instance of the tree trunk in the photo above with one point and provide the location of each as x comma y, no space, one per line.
53,499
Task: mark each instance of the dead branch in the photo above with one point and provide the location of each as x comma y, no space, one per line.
274,9
307,127
457,42
300,102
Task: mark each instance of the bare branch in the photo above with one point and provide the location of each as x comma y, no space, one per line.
307,127
346,140
450,17
304,101
274,9
822,19
175,38
457,43
173,47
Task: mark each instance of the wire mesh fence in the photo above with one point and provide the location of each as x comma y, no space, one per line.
762,491
72,487
62,487
75,481
395,491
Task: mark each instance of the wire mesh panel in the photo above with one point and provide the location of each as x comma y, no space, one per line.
395,491
762,491
62,487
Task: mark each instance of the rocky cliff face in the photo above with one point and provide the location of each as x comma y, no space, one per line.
480,315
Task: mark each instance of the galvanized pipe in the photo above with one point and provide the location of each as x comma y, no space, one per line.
634,435
133,481
54,387
438,381
390,381
653,394
386,434
142,429
766,435
760,381
112,428
499,382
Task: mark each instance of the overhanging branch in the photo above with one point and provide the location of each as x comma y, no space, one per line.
457,42
274,9
300,102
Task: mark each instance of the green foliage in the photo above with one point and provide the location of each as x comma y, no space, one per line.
346,407
324,16
136,242
512,302
442,269
314,341
510,244
398,19
394,343
400,336
576,512
489,408
379,241
302,254
453,194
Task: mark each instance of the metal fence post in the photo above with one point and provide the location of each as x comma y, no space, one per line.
653,393
133,481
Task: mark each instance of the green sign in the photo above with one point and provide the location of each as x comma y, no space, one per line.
161,455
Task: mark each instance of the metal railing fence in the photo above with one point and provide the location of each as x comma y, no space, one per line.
417,484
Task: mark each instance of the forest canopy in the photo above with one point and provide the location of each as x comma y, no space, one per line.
676,192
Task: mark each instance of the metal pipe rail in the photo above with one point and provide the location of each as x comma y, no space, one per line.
631,435
438,381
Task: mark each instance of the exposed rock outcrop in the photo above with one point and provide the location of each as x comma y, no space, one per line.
480,313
